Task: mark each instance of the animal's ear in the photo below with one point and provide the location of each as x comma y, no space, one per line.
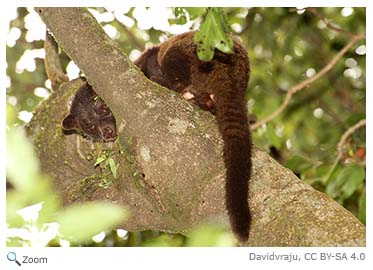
69,122
148,62
175,63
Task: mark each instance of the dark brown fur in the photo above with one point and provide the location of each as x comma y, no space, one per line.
217,86
90,116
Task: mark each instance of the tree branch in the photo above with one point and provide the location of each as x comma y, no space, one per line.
170,170
293,90
52,63
347,134
330,25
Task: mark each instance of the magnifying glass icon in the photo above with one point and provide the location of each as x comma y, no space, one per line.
13,257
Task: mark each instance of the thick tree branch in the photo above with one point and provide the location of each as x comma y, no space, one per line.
170,174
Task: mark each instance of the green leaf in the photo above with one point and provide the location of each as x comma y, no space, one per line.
164,240
105,183
113,167
362,207
272,137
210,236
346,182
11,116
14,242
315,173
295,163
99,160
211,35
354,176
78,223
14,201
194,12
180,16
23,175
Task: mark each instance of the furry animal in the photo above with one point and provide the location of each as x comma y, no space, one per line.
218,86
90,116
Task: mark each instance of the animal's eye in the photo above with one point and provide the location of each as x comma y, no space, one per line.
102,109
108,130
108,134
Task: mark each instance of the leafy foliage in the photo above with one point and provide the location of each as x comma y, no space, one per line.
348,180
210,235
35,215
90,218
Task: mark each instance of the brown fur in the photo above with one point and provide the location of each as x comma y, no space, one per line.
90,116
217,86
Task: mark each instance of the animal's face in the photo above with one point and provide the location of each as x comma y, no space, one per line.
97,129
90,116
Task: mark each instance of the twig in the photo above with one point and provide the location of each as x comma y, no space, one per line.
347,134
340,145
329,24
293,90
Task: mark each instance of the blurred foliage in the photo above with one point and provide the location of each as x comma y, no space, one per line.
34,213
285,47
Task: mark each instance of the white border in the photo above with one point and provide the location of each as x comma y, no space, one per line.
195,3
170,258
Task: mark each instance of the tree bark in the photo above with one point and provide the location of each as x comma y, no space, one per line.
170,172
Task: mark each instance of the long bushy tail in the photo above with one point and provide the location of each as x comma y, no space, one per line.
233,123
237,162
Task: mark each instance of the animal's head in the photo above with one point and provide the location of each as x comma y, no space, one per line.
90,116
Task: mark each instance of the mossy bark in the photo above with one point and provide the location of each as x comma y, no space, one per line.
169,154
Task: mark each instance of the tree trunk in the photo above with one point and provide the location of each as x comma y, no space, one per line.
170,172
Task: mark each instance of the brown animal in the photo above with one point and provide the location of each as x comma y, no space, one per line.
90,116
218,86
